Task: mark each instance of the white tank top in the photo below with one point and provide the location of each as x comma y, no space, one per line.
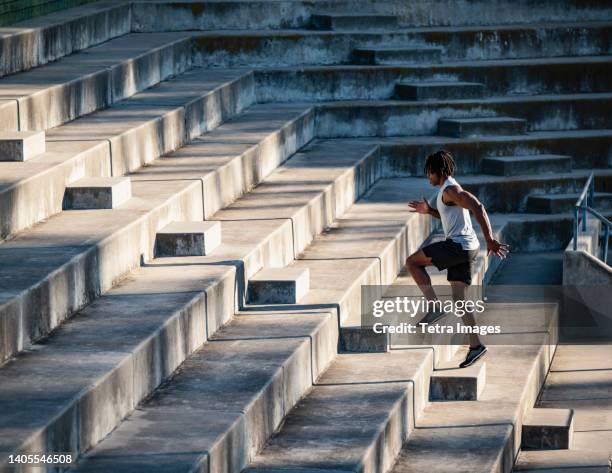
456,221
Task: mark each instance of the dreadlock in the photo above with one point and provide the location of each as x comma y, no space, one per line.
441,163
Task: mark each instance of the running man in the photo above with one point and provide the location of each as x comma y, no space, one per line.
456,254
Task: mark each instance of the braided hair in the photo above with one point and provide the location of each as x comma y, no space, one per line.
441,163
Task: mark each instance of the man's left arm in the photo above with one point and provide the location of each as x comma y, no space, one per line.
469,201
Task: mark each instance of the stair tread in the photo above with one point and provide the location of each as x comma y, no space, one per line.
484,120
568,195
537,157
399,48
438,83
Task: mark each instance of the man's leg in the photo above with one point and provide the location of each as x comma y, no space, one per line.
417,262
459,289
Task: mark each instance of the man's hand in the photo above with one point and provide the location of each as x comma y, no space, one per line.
420,206
498,249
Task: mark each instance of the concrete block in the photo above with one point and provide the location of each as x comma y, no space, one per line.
558,203
363,340
357,22
97,193
439,90
390,55
548,429
458,384
479,126
21,145
188,238
278,286
520,165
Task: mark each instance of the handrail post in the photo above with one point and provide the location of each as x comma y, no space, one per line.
606,240
575,228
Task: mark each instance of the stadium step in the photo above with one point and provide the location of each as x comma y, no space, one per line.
91,80
558,203
480,126
547,429
521,165
439,90
97,193
451,383
118,140
188,238
21,145
389,55
278,286
349,22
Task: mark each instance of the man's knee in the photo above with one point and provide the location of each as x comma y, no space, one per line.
418,259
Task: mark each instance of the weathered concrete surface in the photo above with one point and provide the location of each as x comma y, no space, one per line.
476,126
353,21
162,118
400,118
557,203
371,399
97,193
438,90
188,238
54,269
21,145
38,41
278,286
579,379
450,383
381,55
82,83
500,77
547,429
536,164
153,16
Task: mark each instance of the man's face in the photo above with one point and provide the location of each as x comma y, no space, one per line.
434,178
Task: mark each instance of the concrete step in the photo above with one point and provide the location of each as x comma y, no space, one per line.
356,418
480,126
557,203
170,189
438,90
188,238
278,286
402,118
249,399
117,140
520,165
91,80
189,297
450,383
44,39
500,77
98,193
547,429
261,14
379,55
353,21
293,47
588,149
21,145
485,434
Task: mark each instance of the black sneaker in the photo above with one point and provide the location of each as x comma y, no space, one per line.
473,355
432,317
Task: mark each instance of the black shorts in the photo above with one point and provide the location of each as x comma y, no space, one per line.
449,255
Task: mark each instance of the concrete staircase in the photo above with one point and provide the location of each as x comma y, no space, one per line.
192,196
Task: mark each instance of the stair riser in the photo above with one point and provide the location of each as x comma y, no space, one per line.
353,23
512,196
523,168
413,119
377,83
396,57
289,14
565,205
55,106
36,46
438,93
409,159
458,130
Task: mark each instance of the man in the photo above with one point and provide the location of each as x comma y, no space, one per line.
456,254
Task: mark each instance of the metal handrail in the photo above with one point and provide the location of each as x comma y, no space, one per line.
582,207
